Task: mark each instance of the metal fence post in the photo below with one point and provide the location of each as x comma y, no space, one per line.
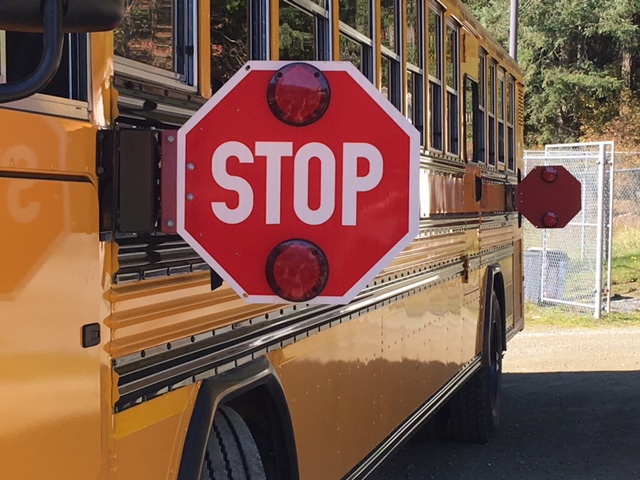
600,232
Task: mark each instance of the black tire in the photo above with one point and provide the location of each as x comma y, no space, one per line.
474,411
231,453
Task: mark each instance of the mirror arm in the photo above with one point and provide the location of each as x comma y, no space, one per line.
50,61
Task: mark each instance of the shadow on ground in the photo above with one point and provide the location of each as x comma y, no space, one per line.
577,425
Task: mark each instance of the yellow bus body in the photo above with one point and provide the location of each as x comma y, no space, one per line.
349,385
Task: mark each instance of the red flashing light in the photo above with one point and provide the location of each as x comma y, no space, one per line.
297,270
549,174
550,219
298,94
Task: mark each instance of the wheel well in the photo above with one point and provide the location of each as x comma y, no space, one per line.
270,425
255,393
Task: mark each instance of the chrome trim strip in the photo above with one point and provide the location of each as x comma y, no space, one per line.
141,376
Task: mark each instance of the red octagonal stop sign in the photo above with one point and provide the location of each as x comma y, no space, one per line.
346,184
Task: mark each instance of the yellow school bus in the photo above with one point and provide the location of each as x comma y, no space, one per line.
123,355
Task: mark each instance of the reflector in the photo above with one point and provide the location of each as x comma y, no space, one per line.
298,94
297,270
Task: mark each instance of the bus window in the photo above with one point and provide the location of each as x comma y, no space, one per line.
435,79
156,41
230,44
473,140
415,66
356,44
500,99
481,144
511,108
491,107
24,50
391,73
298,33
453,88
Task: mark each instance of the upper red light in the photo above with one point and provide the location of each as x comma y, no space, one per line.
298,94
549,174
297,270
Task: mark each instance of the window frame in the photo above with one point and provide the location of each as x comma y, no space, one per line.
187,36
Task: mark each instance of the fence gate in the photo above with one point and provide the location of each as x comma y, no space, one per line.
572,266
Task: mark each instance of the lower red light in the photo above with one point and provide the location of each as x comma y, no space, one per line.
297,270
298,94
550,219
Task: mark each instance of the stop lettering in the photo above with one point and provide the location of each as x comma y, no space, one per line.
274,153
298,182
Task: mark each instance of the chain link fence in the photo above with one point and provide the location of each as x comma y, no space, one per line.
572,266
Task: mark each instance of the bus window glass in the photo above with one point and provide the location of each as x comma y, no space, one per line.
302,32
147,34
472,132
356,44
230,45
415,65
351,51
385,84
481,141
357,15
435,44
452,68
23,53
500,103
511,108
388,23
414,33
491,105
435,80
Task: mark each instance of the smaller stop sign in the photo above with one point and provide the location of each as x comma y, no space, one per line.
298,182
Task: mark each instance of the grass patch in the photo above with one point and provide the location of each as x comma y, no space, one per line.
544,316
625,275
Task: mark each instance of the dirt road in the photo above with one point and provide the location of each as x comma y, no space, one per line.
570,410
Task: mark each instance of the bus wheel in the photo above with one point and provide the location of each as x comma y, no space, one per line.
231,451
474,410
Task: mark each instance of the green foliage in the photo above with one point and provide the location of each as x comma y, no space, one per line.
579,58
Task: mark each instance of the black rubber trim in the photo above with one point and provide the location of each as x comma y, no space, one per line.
495,282
54,177
227,386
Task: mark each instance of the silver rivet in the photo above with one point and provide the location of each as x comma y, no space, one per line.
170,138
190,196
169,223
191,166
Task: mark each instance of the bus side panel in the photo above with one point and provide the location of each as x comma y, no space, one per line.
350,386
49,289
148,439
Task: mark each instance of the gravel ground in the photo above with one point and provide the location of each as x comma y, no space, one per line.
570,410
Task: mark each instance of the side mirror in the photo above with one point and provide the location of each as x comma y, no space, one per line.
53,18
78,15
